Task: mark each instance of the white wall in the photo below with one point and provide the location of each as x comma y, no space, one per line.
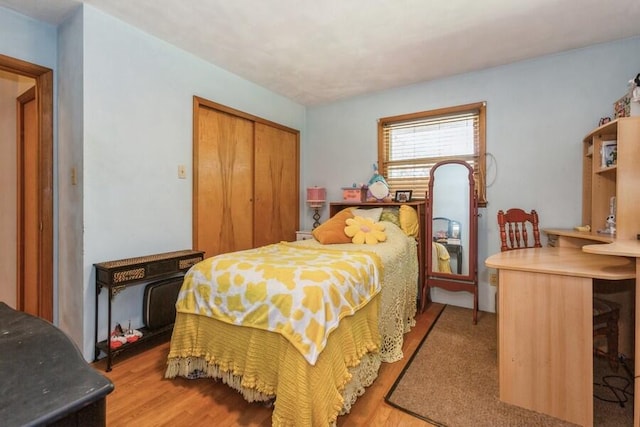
538,112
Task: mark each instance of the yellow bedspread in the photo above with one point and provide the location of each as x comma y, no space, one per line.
263,365
300,293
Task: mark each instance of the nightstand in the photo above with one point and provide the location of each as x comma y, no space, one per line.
304,235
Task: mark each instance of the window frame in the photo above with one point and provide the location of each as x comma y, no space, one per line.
479,165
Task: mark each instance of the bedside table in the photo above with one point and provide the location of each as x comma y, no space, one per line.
304,235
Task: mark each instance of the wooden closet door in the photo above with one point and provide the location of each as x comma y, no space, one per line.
223,182
276,184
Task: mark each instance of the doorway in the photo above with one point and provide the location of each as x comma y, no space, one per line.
37,265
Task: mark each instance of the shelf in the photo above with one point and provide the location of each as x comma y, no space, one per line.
616,183
118,275
607,169
589,150
147,336
603,131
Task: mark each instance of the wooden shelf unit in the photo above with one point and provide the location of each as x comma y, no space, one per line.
620,180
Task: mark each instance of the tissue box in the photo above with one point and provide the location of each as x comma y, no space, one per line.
354,194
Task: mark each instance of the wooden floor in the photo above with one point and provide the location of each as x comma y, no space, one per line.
142,397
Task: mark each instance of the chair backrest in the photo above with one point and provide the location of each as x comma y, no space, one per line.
515,227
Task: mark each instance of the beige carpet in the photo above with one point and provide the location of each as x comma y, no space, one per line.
452,379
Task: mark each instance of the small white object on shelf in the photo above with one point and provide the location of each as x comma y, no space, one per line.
304,235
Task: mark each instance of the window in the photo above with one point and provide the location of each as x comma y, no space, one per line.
411,144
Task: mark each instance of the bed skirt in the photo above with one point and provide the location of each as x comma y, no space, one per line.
302,394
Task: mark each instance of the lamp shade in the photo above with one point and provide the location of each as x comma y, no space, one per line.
316,196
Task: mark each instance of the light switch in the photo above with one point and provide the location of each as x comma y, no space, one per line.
182,172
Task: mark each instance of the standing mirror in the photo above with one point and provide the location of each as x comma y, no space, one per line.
452,231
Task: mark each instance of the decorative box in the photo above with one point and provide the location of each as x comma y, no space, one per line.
354,194
625,107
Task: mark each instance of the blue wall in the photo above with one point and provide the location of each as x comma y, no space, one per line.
138,101
538,112
124,114
27,39
126,117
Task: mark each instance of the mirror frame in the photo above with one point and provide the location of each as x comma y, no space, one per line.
449,281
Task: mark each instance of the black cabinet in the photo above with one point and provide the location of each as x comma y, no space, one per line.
45,379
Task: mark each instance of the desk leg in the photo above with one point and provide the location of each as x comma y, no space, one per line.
636,356
545,344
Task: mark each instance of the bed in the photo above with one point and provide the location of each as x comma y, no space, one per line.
309,382
440,258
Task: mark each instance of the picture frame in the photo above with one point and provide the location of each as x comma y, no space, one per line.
403,196
609,154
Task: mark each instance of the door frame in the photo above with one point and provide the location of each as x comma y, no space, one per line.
44,99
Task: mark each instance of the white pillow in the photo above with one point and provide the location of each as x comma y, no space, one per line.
374,213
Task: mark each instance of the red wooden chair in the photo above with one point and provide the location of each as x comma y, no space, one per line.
515,227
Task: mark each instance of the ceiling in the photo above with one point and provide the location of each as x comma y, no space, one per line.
316,52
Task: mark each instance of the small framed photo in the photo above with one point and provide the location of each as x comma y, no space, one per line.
403,196
609,153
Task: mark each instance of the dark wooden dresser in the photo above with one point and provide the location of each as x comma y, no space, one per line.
45,380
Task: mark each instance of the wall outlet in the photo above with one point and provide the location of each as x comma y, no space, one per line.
493,279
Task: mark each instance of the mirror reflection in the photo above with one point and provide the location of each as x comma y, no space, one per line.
450,216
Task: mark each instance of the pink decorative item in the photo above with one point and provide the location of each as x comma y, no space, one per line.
316,196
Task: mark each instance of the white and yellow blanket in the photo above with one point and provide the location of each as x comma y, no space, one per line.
301,293
440,258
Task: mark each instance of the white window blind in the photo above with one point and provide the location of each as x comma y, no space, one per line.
410,145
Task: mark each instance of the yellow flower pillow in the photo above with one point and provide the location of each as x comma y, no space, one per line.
365,230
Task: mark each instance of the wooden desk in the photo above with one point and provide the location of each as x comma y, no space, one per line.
569,238
621,293
627,248
545,327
